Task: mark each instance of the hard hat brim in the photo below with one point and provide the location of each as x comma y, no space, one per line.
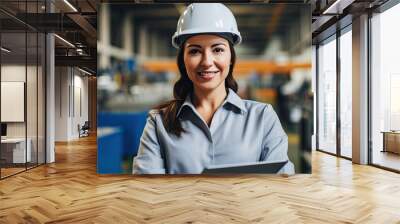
179,39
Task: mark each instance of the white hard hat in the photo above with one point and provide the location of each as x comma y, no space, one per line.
206,18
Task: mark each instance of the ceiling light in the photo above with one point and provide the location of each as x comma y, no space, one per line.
70,5
337,7
79,51
65,41
84,71
5,50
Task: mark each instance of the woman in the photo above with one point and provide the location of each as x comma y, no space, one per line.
207,123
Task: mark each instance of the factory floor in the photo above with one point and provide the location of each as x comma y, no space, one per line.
70,191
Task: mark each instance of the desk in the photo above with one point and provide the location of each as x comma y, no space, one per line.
391,141
15,148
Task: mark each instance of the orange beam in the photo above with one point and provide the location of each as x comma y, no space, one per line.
243,67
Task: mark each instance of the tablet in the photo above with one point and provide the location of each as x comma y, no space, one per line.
266,167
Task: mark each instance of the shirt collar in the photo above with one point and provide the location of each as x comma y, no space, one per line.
188,102
232,99
235,100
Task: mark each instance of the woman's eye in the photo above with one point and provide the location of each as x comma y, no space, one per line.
219,50
193,51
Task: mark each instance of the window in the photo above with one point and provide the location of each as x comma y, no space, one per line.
327,95
385,88
346,93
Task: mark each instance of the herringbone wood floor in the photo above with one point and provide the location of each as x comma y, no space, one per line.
70,191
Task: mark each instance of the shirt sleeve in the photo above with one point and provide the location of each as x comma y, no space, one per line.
149,158
275,141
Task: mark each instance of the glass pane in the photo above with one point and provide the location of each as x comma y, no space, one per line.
13,86
41,99
386,89
327,96
31,84
314,90
346,94
31,101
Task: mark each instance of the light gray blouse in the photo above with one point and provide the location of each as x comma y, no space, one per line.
241,131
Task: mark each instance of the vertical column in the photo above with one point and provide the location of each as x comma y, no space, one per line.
360,90
50,92
50,98
143,40
338,96
104,38
128,34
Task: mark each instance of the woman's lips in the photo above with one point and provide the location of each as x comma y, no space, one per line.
207,75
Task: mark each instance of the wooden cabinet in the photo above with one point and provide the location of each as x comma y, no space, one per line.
391,142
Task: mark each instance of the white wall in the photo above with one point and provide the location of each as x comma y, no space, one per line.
12,73
33,126
61,103
71,94
80,94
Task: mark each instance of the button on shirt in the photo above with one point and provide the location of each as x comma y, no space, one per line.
241,131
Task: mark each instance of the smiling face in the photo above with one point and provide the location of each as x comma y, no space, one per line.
207,59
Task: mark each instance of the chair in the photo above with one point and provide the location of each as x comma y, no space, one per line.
84,130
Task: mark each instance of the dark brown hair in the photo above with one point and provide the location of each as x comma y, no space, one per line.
182,88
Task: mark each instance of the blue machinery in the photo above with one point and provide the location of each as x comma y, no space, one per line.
118,137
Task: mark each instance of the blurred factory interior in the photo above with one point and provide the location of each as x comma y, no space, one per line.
137,66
